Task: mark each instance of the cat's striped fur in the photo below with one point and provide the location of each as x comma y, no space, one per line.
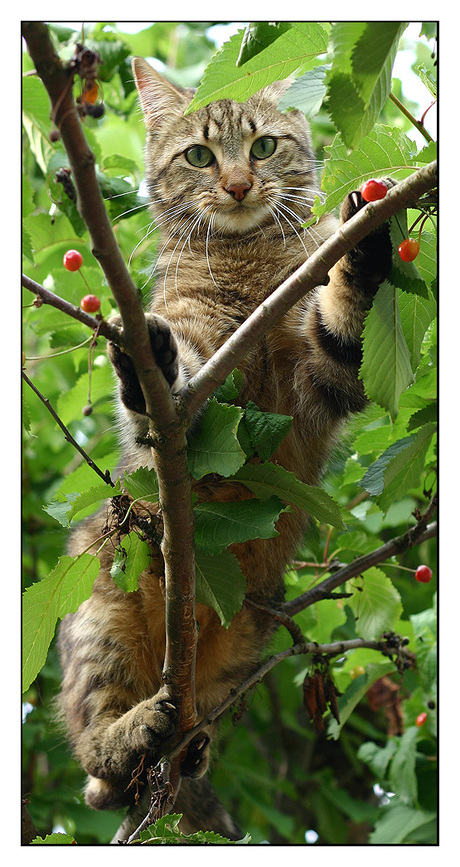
231,232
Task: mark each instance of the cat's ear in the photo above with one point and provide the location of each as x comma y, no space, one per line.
159,98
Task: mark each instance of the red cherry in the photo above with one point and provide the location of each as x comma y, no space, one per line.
373,190
90,303
421,719
409,249
423,574
73,260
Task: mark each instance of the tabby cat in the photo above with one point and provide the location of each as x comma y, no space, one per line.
230,186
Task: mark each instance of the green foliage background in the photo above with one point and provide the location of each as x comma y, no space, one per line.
274,773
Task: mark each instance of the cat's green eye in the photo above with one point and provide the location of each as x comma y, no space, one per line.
264,147
199,156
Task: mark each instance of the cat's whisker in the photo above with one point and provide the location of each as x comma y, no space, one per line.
277,220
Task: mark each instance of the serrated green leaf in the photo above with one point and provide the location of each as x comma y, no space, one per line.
360,78
267,479
220,584
266,430
306,93
355,692
385,151
214,446
132,557
71,402
416,315
230,389
398,822
294,51
75,503
218,525
373,480
403,275
376,605
55,839
403,778
404,471
44,603
386,369
142,484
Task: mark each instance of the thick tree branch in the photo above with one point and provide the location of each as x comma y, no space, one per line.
311,274
168,431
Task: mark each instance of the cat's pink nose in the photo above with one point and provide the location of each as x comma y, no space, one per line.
239,190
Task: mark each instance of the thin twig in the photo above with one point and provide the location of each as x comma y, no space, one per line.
104,476
421,532
111,332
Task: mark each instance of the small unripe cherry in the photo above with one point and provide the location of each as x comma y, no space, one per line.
357,671
73,260
421,719
423,574
373,190
409,249
90,303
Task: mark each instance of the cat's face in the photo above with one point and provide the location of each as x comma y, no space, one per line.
229,168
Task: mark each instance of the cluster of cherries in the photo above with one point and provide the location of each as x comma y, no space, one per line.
73,260
372,191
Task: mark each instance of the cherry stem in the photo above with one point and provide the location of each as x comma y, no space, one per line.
418,124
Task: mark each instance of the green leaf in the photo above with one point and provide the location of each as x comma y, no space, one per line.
360,78
259,35
399,821
220,584
403,275
376,604
294,51
386,369
267,479
385,151
230,389
56,839
214,446
132,557
63,511
355,692
166,831
44,603
404,471
416,315
403,779
142,484
373,481
218,525
266,429
306,93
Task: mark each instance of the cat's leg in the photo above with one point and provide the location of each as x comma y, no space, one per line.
108,669
333,318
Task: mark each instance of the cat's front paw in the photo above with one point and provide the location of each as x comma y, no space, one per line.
165,352
369,263
153,722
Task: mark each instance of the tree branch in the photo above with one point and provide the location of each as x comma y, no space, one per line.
168,431
422,531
